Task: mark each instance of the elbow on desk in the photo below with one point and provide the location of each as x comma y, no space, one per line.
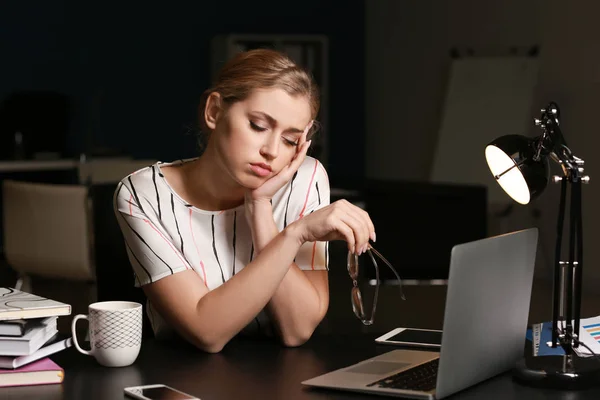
293,341
216,346
212,347
296,339
301,334
207,343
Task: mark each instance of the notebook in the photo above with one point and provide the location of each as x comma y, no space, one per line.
55,344
541,337
15,304
31,341
41,372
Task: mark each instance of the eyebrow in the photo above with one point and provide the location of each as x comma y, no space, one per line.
273,121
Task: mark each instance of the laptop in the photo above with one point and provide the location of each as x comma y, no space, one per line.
485,322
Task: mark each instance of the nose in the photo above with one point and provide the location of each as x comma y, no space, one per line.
270,147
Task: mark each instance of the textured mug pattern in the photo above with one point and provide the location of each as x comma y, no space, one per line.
116,329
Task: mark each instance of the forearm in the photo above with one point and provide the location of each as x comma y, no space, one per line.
226,310
263,225
295,308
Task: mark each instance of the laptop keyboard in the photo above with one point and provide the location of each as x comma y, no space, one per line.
422,378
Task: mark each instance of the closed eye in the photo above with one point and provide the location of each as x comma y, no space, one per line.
290,142
257,127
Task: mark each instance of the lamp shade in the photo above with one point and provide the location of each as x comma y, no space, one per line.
511,161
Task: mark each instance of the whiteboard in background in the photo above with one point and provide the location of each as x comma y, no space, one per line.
486,98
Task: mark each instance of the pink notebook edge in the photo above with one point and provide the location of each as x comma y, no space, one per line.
43,364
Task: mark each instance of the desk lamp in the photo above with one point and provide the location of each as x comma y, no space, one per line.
521,166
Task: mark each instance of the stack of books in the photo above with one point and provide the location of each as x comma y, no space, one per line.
28,335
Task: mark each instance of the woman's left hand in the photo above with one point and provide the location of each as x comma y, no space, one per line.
267,190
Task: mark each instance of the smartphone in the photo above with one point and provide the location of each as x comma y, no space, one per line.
157,392
430,338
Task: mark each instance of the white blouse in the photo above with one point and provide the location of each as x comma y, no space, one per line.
165,235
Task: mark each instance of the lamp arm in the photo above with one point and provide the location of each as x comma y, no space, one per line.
571,165
552,143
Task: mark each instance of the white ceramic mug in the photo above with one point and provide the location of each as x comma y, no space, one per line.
115,332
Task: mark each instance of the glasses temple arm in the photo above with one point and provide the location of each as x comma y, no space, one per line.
376,291
390,266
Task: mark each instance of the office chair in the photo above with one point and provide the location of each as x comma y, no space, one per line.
49,241
48,231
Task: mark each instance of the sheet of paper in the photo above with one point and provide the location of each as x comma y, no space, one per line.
589,333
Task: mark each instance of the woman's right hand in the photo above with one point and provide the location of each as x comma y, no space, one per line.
340,220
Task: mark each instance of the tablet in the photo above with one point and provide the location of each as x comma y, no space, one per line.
414,337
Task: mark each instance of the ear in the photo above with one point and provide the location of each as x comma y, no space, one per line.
212,110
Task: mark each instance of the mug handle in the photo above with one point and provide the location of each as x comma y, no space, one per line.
73,332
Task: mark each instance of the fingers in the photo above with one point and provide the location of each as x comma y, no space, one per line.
339,221
358,230
287,172
366,217
302,140
299,157
302,149
348,234
360,223
307,129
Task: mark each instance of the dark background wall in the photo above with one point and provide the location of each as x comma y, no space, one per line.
407,68
135,70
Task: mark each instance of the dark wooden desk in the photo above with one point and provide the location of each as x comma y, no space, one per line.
246,369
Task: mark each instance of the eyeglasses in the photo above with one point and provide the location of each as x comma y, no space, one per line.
353,271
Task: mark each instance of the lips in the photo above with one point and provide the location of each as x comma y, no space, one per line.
261,169
263,166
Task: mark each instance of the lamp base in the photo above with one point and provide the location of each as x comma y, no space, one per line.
558,372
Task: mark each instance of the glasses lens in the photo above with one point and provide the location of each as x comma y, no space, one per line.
357,304
365,311
353,265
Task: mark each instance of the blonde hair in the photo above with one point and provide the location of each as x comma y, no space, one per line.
261,69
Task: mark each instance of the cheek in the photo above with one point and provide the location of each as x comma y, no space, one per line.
234,142
285,157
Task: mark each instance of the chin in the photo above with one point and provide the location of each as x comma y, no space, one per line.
251,181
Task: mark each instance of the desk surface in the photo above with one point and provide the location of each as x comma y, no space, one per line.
246,369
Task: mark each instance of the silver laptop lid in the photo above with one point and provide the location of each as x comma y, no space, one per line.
487,308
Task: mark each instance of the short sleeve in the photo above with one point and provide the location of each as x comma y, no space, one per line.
310,192
150,249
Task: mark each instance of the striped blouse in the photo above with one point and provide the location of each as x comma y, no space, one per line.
165,235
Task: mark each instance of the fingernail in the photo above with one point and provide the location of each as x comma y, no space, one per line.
309,142
373,237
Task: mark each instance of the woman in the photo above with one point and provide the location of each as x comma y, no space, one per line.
236,239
